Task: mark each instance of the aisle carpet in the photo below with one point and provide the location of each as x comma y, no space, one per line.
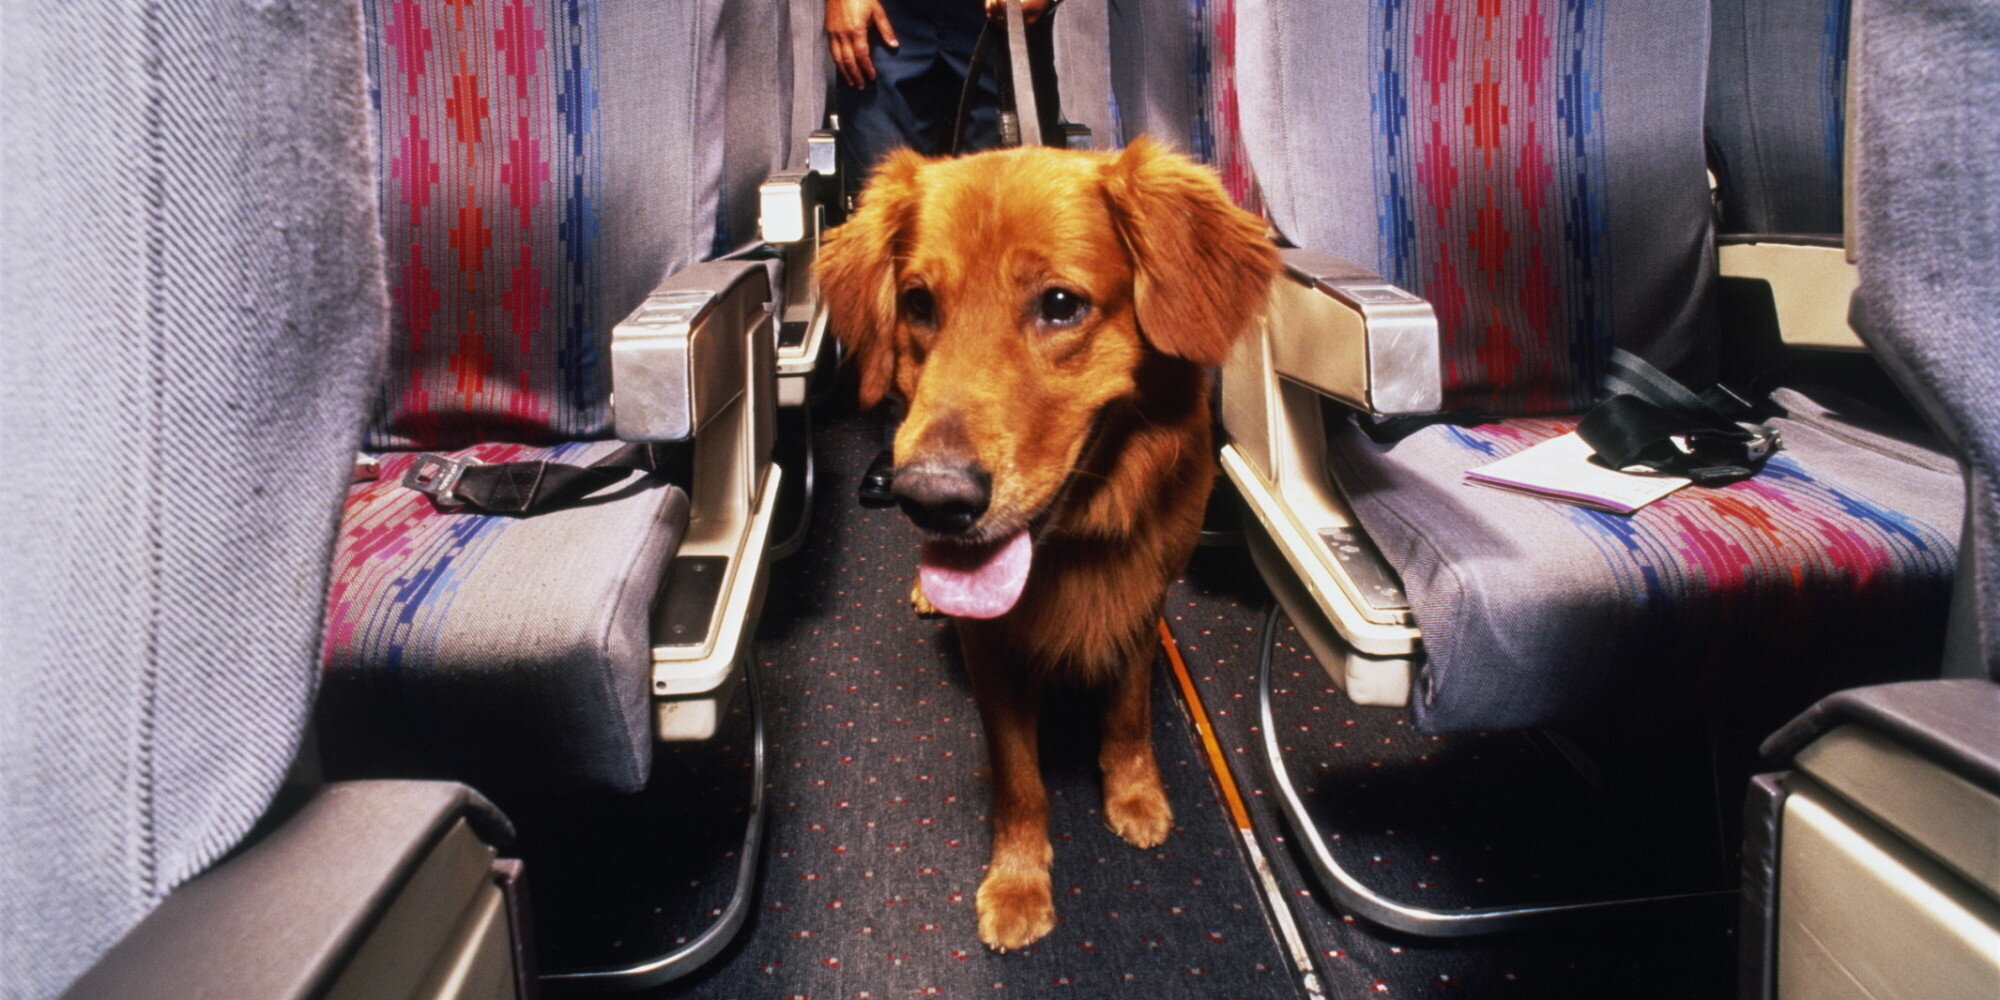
1421,832
878,833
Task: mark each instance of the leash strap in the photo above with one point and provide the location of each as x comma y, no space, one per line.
1026,111
519,489
1016,86
980,50
1649,416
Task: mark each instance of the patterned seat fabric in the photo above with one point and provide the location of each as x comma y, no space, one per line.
506,652
539,174
1173,77
1829,568
1535,168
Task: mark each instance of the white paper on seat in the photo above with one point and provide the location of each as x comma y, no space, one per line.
1564,469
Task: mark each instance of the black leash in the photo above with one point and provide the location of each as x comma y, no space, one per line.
1017,85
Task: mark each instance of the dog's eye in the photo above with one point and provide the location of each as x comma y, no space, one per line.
1062,307
919,307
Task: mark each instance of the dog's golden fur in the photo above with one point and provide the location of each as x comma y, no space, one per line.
1096,433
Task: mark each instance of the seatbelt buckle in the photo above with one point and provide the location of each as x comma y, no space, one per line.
367,468
1764,442
437,476
1754,444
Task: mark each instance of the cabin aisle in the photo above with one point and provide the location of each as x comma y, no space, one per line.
878,830
1479,819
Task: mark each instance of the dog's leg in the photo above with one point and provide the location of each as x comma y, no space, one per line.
1135,806
920,603
1016,907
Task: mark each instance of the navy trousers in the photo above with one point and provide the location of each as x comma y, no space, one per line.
914,95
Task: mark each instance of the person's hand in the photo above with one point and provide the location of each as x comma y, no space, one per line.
847,24
1031,10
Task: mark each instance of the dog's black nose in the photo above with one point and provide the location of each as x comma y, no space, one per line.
944,497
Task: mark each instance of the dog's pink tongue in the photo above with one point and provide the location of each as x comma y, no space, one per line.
976,581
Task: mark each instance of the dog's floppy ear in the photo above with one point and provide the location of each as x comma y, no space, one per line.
857,273
1203,265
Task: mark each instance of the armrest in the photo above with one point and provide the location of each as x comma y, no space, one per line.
1342,331
361,891
1811,283
683,356
1890,817
789,202
1954,723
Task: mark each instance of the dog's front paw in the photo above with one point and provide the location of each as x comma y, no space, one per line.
1139,813
1016,909
921,604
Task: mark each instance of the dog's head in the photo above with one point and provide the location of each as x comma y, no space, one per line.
1010,297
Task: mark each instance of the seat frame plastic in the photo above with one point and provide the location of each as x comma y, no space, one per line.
702,347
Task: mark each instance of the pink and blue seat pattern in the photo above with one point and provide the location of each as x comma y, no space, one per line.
531,196
1491,176
1831,567
1216,133
488,131
512,652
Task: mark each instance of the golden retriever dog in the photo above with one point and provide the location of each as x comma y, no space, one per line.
1048,318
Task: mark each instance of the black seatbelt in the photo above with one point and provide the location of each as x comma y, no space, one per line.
523,488
1650,416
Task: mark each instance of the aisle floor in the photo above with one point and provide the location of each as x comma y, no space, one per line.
878,828
878,824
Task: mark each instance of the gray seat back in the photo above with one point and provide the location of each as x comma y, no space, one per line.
1927,234
1533,169
193,308
1777,93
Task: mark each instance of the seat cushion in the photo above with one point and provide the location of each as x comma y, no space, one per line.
507,652
1831,567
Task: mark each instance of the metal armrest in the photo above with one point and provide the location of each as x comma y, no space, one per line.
681,358
790,203
698,360
1331,330
1955,723
1344,332
373,888
1881,848
1811,282
796,206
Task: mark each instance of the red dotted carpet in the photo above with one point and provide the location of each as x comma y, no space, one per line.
878,828
1472,819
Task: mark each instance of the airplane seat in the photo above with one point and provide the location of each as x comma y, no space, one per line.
1493,198
1869,864
1777,97
553,179
1776,115
195,308
796,205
